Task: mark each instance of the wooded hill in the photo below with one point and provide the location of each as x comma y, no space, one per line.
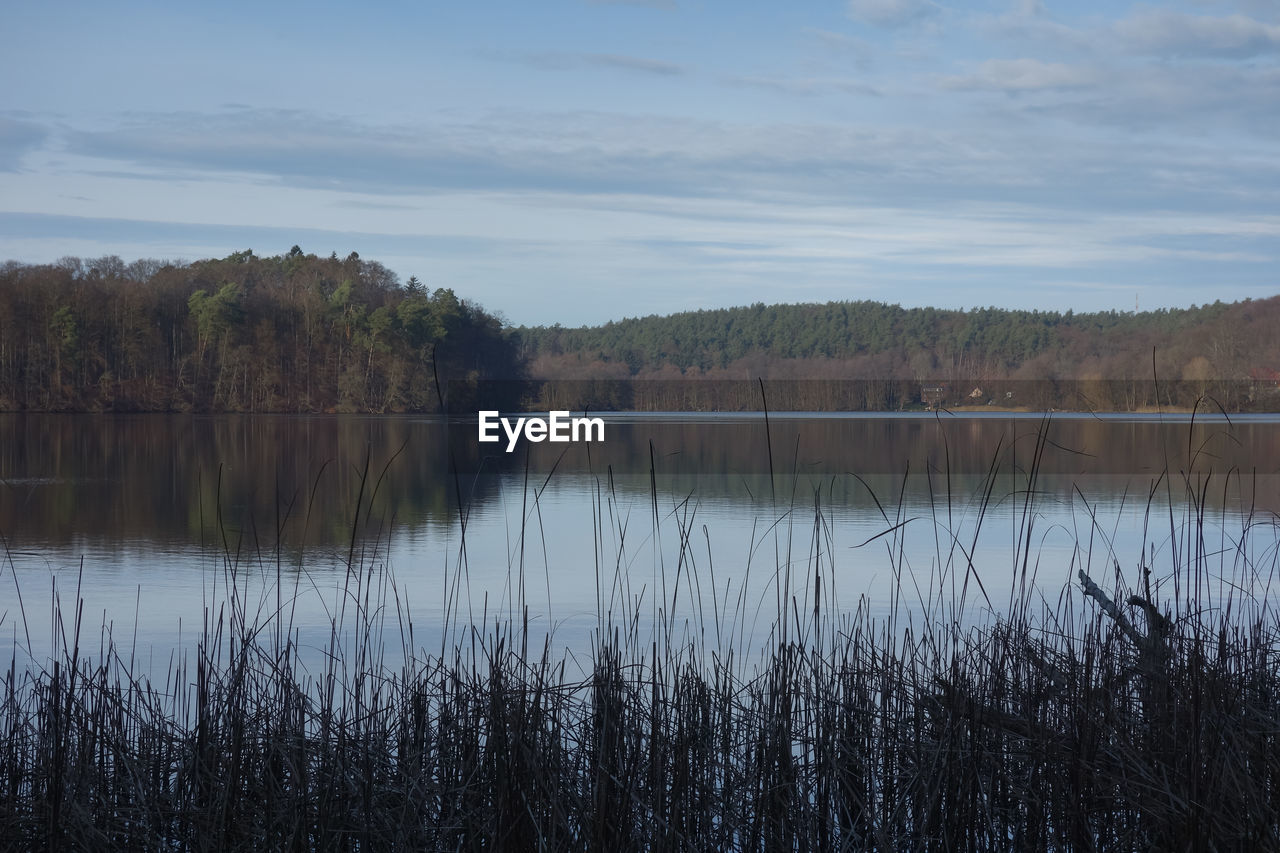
302,333
1231,350
293,333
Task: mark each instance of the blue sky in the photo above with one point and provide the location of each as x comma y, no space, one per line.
581,161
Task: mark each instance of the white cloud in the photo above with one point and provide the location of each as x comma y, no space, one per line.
891,13
593,153
653,4
17,138
563,61
1162,32
843,47
1263,9
1031,29
1198,98
806,85
634,63
1022,75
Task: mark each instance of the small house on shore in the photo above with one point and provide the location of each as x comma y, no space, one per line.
933,396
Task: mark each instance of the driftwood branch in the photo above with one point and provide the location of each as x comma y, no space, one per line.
1151,644
1158,625
1109,607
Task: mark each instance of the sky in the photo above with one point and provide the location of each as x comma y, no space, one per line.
579,161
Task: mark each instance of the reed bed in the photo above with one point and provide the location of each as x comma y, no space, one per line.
1120,719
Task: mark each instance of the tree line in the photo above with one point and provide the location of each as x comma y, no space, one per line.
1112,360
290,333
303,333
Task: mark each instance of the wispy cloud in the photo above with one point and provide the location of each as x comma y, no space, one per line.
1030,8
1031,28
601,154
1163,32
571,152
566,61
633,63
17,138
655,4
1022,75
859,50
806,85
359,204
1199,100
891,13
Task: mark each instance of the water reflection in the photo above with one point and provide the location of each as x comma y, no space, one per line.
678,514
175,480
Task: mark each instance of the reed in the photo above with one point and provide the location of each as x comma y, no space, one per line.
1120,719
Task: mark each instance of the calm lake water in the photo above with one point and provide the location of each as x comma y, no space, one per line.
712,521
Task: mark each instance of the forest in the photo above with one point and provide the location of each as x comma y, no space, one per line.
872,355
291,333
305,333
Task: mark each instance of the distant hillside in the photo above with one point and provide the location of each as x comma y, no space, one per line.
875,340
1216,349
304,333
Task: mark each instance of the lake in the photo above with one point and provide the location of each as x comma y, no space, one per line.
709,524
